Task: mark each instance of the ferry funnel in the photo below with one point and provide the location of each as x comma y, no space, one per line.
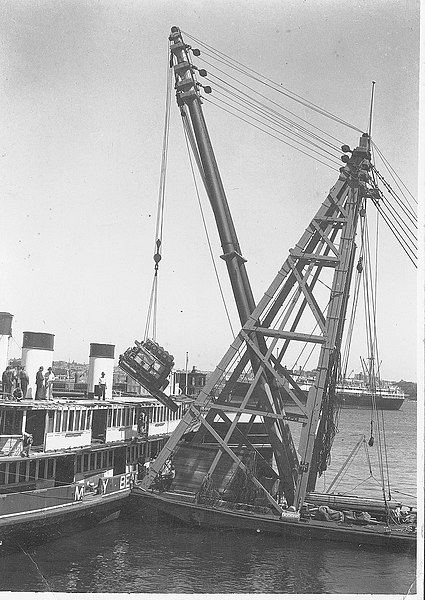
101,360
37,351
5,335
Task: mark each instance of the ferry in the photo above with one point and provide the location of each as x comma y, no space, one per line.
67,465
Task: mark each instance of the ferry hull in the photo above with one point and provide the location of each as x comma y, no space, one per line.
22,531
218,518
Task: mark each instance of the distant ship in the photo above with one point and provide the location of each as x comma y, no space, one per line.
355,393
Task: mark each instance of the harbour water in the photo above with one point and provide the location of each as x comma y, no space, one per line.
147,554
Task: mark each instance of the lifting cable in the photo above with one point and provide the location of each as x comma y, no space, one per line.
372,370
190,144
350,328
153,302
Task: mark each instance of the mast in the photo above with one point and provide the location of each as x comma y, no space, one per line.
188,98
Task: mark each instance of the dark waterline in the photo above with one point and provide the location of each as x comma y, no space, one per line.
145,554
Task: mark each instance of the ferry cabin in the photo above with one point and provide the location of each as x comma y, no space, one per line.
79,441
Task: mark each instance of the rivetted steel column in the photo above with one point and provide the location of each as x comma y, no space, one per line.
5,335
188,94
37,351
101,359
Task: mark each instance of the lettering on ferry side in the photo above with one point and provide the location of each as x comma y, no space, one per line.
125,481
79,492
104,485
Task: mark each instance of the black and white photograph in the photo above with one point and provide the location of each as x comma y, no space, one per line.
212,300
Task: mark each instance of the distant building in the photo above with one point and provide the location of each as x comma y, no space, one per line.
190,383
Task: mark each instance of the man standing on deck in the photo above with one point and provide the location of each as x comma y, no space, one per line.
7,380
48,382
102,387
24,380
39,382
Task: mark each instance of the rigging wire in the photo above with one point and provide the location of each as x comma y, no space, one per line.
411,216
271,84
261,110
268,99
397,179
271,135
408,251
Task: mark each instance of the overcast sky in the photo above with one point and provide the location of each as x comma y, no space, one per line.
81,114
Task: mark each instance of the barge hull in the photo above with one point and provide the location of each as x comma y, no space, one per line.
218,518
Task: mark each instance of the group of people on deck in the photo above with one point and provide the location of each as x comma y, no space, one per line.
15,383
44,384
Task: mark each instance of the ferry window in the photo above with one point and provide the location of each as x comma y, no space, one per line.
110,458
71,421
103,459
11,424
22,470
119,417
58,421
109,417
50,420
41,469
86,462
77,420
89,417
50,465
78,464
98,460
12,472
83,420
32,470
64,420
